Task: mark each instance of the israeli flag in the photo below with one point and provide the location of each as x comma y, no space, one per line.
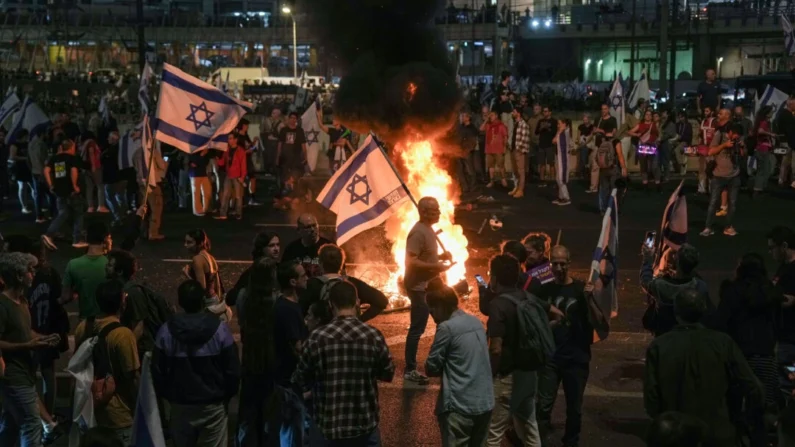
604,268
789,36
147,428
640,90
10,105
616,101
193,115
364,192
312,131
772,97
143,89
31,118
673,229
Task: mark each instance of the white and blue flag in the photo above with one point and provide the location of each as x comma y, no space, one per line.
789,36
772,97
640,90
10,105
31,118
616,101
192,114
129,144
143,89
604,268
312,131
364,192
673,229
147,427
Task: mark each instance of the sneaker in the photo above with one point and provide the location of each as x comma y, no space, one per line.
562,202
48,242
415,376
253,202
591,190
41,220
51,433
707,232
721,212
730,231
103,210
518,195
198,214
90,209
80,245
490,185
26,210
219,217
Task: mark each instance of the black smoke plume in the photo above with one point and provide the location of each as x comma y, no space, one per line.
397,79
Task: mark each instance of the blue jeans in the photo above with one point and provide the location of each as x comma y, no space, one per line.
583,152
74,208
664,158
252,428
373,439
116,199
419,319
716,186
607,181
765,165
20,422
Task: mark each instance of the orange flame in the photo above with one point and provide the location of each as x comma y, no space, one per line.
426,179
411,90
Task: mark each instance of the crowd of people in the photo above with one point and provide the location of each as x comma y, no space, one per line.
513,139
310,363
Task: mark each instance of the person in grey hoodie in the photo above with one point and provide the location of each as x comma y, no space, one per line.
196,367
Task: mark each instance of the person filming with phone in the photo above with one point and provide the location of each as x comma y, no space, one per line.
659,317
423,263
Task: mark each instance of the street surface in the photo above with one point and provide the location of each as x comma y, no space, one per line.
613,409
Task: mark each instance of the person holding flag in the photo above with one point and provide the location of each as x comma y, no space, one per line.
340,137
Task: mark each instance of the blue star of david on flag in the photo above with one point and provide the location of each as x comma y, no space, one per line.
198,124
311,136
617,101
364,197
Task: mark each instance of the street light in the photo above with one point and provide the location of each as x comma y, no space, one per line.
286,10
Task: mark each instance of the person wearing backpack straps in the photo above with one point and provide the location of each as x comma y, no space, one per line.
515,381
115,356
609,159
145,311
573,337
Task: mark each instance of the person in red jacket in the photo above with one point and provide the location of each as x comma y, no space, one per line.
234,159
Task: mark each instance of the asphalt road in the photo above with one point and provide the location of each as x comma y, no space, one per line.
613,411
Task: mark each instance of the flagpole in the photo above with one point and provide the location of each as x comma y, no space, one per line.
149,142
406,188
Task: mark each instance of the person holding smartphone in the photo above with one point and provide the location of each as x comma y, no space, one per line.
727,147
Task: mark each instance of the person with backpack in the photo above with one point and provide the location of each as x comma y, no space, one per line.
573,337
460,356
145,311
332,262
196,367
520,343
609,158
115,359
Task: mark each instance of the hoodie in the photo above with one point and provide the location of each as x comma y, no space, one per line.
196,360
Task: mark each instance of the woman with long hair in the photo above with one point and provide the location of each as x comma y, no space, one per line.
565,145
266,245
763,150
647,131
750,312
204,269
256,335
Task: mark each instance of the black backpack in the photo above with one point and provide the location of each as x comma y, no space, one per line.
163,311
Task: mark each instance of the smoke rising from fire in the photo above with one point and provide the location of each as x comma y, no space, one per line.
397,78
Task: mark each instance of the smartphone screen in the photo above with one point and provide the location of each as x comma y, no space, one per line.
791,369
480,280
651,237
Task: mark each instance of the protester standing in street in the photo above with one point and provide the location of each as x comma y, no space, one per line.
726,148
460,356
341,364
196,367
496,138
305,248
62,174
85,273
521,147
564,145
234,159
423,263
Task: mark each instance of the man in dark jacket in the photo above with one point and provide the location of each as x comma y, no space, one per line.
659,317
197,369
694,370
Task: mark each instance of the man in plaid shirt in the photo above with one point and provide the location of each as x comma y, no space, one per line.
520,147
341,363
